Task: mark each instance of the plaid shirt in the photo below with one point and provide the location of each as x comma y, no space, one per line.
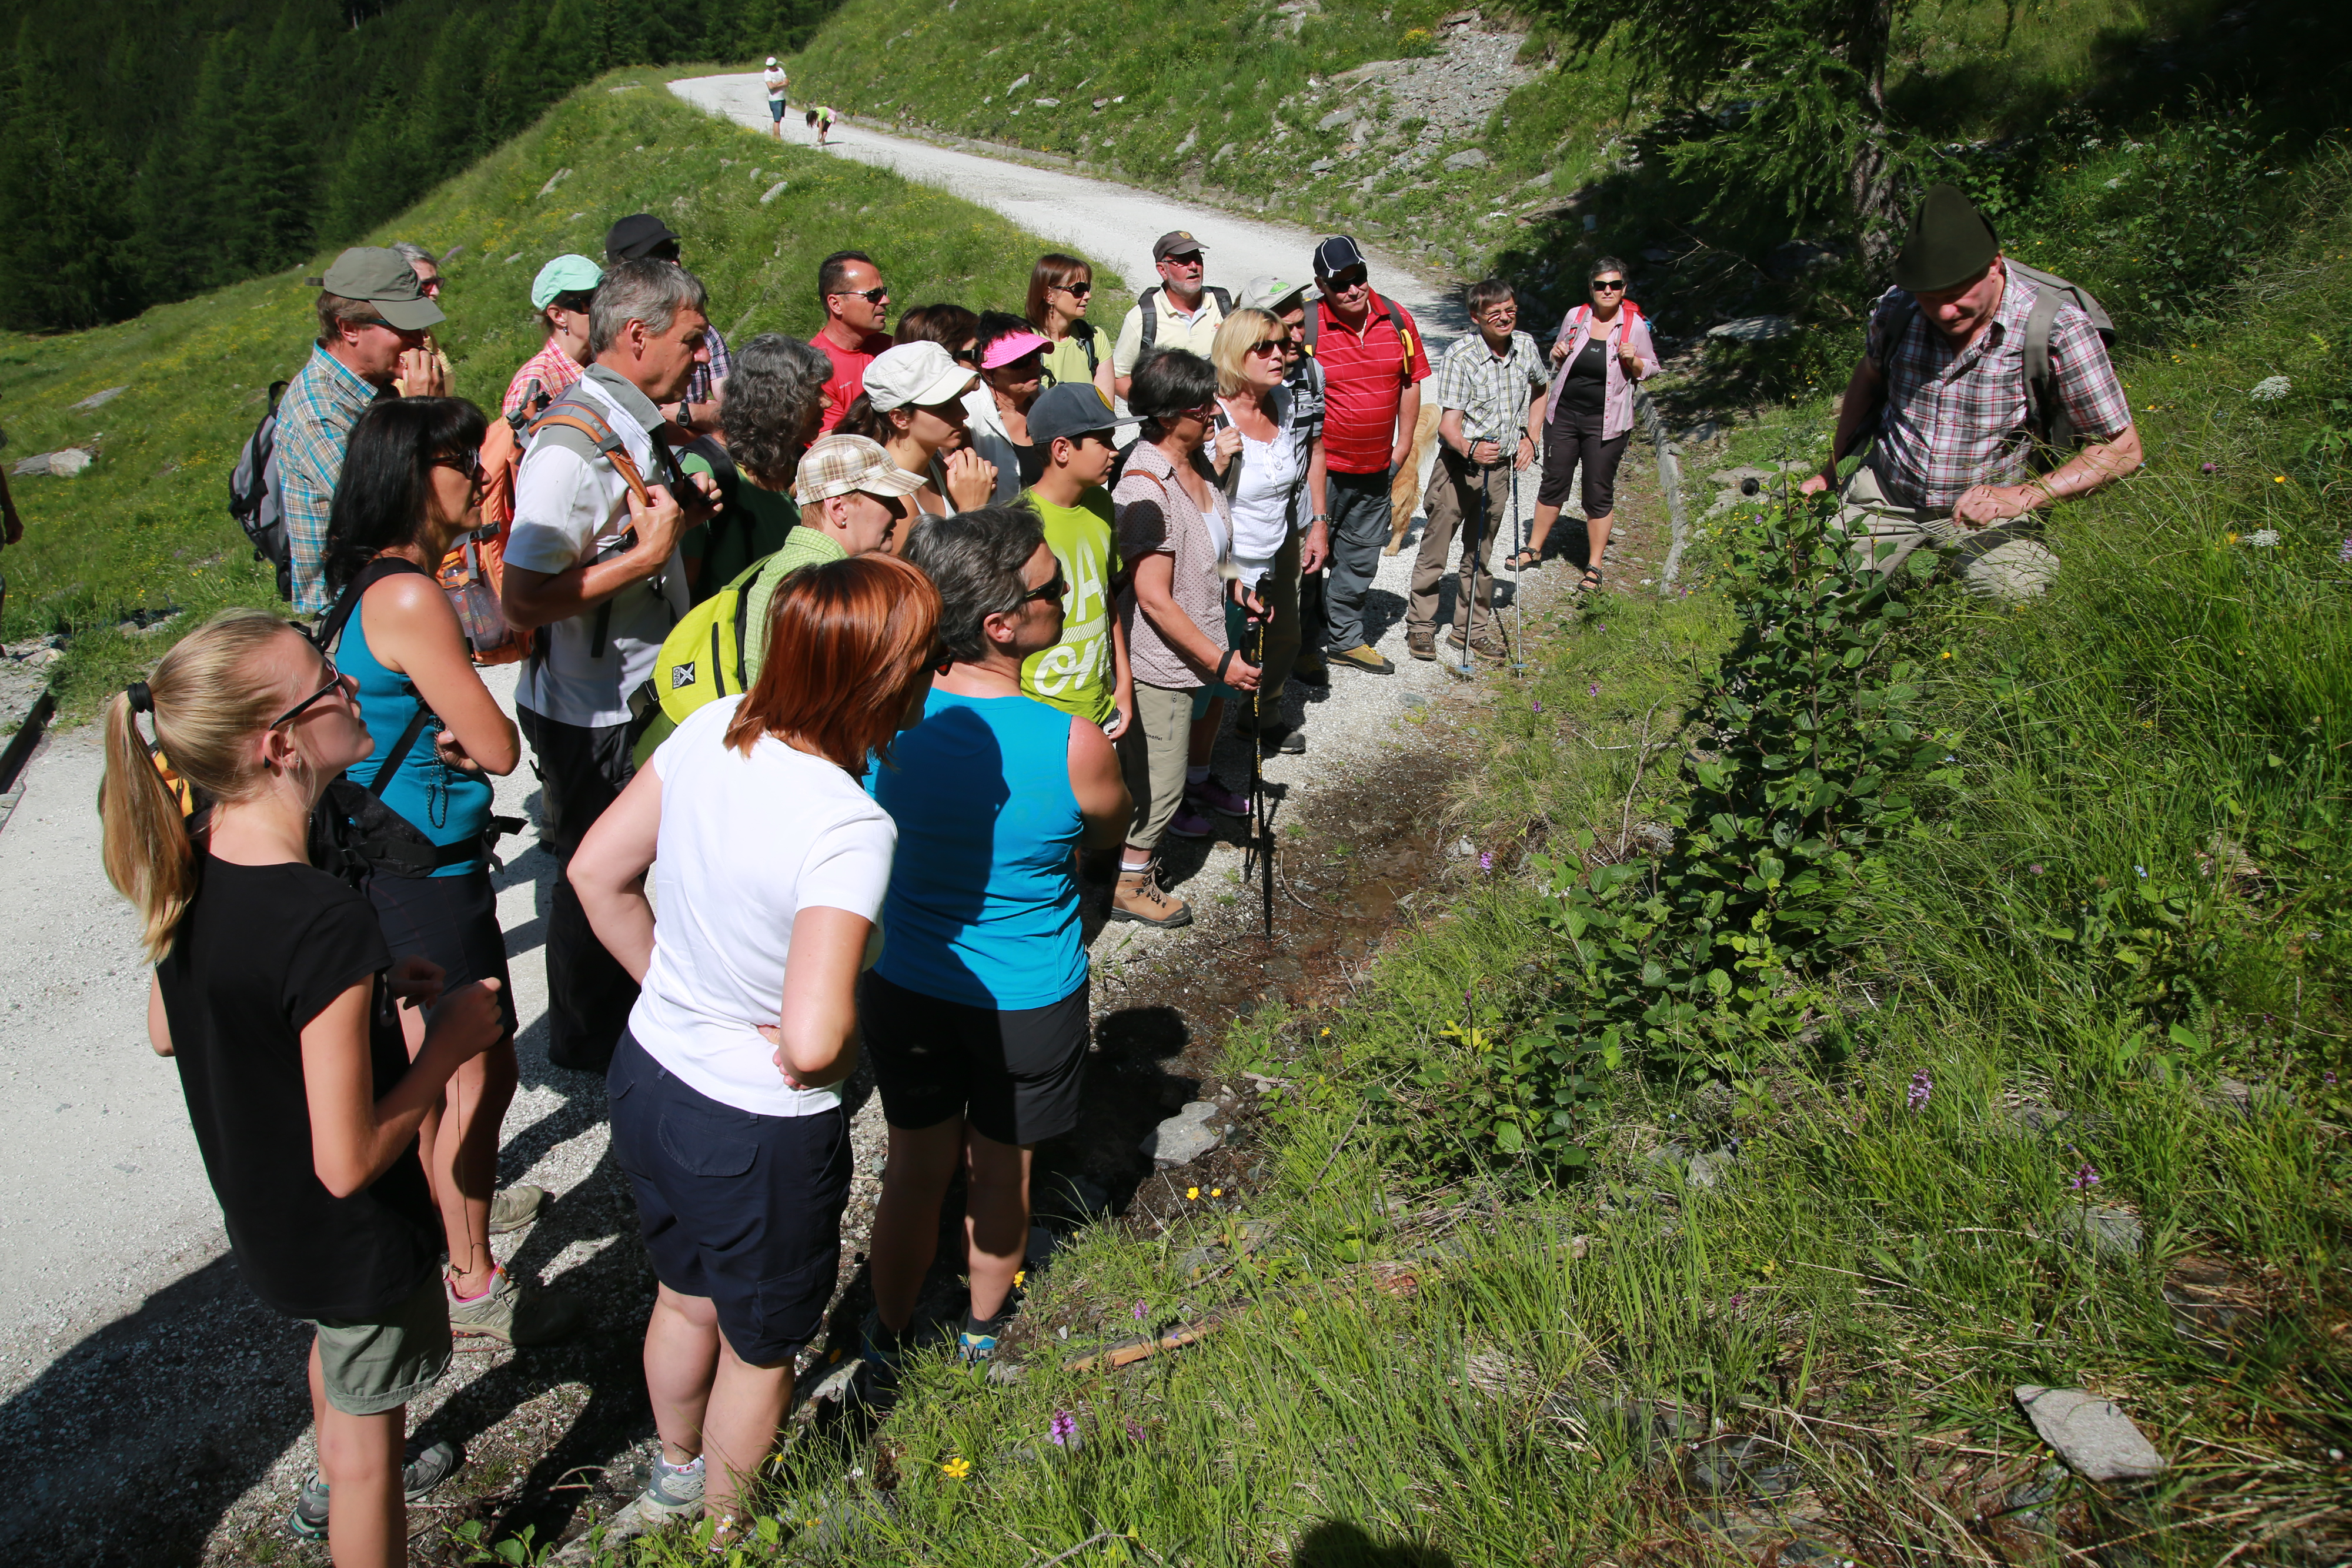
321,404
552,368
1492,394
702,386
1954,419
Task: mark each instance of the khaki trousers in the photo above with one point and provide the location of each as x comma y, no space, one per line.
1453,505
2006,561
1152,754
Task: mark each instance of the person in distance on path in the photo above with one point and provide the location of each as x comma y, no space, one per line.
769,863
1490,392
560,294
775,82
1287,303
274,995
645,237
820,119
1602,349
856,310
976,1013
1944,380
1374,364
1181,311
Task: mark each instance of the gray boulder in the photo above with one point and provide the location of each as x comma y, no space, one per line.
1185,1136
98,400
1753,328
2095,1437
1468,158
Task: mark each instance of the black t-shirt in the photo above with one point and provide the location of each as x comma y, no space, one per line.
1587,378
260,952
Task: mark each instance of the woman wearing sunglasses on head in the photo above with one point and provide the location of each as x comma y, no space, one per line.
411,488
1060,289
1601,351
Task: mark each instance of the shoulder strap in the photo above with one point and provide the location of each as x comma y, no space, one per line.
277,391
576,413
1144,302
1404,339
1313,321
1083,331
330,630
1898,326
1224,298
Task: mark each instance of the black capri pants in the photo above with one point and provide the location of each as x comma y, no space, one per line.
1572,442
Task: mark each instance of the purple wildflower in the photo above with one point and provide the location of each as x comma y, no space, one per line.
2035,868
1134,1429
1593,690
2207,467
2086,1178
1738,1300
2344,552
2329,1079
1139,1312
1485,860
1063,1430
1923,1089
1536,704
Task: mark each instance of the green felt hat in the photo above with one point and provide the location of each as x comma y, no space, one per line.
1950,243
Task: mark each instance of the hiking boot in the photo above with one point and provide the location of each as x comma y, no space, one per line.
434,1463
1485,642
1191,822
669,1494
1141,899
508,1312
1366,658
512,1208
1212,794
1311,670
1421,642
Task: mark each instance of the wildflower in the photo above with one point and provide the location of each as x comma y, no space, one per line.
2035,868
1923,1089
1020,1277
2344,552
2329,1079
1593,690
1134,1429
1191,1193
1064,1429
2278,478
1140,1311
2143,872
1326,1031
1948,653
2270,389
2086,1178
2209,468
1536,703
1216,1192
2230,538
2264,538
1738,1300
955,1469
1486,860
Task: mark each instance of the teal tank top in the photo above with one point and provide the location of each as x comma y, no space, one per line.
982,909
445,805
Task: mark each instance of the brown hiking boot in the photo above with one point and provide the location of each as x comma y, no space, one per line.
1486,642
1421,642
1140,898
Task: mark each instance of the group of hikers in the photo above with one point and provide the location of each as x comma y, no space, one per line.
845,662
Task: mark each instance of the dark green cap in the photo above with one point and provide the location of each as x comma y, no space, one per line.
1950,242
385,280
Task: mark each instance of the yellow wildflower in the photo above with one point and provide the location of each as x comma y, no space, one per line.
1191,1193
955,1469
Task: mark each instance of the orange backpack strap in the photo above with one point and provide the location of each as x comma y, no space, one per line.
574,415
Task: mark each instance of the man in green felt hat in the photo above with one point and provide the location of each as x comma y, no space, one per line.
1987,386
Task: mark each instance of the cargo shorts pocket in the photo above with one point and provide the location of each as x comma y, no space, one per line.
792,1305
702,1145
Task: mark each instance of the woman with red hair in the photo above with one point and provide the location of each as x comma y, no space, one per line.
769,862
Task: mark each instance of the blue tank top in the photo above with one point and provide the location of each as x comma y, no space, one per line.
445,805
982,909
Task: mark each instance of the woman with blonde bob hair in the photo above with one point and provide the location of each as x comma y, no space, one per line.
769,863
1276,484
274,995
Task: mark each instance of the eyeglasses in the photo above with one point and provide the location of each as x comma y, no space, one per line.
334,685
469,464
429,287
871,296
1615,283
1078,290
1052,589
1267,346
1189,259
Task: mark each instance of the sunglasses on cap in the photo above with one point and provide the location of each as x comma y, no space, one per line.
1616,283
334,683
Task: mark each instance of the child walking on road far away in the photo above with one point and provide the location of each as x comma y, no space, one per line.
274,993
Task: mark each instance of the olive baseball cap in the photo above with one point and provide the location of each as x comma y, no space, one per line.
564,274
1950,244
1175,242
384,279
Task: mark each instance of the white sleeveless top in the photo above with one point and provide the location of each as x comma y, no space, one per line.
1270,472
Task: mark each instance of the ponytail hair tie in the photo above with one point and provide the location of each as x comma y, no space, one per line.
142,699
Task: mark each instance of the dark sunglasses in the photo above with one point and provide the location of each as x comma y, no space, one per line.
1268,345
871,296
469,464
1616,283
1052,589
334,683
1355,277
1078,290
1189,259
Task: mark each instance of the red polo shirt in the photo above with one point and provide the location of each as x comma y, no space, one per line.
1364,376
848,378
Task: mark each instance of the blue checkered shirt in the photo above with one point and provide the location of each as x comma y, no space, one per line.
321,404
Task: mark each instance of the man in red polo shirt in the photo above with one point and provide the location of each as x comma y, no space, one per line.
1370,353
856,310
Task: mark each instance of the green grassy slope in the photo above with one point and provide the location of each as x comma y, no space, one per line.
146,530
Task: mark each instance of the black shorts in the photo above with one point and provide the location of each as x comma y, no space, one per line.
741,1209
1014,1074
452,920
1572,442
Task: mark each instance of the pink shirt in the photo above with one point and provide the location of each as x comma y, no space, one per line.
1617,399
552,368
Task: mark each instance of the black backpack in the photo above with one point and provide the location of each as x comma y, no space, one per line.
255,501
1148,305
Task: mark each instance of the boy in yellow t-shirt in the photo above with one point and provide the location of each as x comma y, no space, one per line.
1086,674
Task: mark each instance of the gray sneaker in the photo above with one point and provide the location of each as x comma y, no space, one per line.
507,1311
512,1208
434,1463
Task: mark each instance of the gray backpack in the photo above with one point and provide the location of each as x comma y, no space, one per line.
2045,410
256,501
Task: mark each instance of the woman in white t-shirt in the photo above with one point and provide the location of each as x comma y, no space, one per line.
1280,466
769,863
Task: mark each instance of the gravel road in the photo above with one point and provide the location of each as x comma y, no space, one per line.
148,1409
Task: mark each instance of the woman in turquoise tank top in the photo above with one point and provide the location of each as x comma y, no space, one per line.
411,488
976,1015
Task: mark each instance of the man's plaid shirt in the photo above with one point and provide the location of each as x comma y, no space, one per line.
1952,420
1492,394
315,417
702,385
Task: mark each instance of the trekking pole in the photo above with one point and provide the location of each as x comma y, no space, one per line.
1519,580
1466,604
1264,832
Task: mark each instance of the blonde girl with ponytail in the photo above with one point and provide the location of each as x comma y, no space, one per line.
274,996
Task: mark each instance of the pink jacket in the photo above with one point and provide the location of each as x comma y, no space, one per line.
1617,398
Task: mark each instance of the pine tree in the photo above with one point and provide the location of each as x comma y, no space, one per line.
63,258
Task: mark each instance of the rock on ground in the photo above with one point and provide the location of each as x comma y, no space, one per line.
2095,1437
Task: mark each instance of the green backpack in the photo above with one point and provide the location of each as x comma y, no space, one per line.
701,660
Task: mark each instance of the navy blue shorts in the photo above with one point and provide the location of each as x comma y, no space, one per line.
742,1208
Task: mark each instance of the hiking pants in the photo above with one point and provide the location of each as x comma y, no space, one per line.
2006,561
1152,752
581,769
1359,531
1454,504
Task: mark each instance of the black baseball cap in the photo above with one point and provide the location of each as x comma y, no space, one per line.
636,236
1335,256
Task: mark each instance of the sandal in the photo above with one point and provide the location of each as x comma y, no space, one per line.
1527,560
1592,581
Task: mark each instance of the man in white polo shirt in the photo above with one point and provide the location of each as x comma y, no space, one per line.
589,563
1181,311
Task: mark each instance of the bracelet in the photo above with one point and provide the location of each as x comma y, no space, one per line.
1223,665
